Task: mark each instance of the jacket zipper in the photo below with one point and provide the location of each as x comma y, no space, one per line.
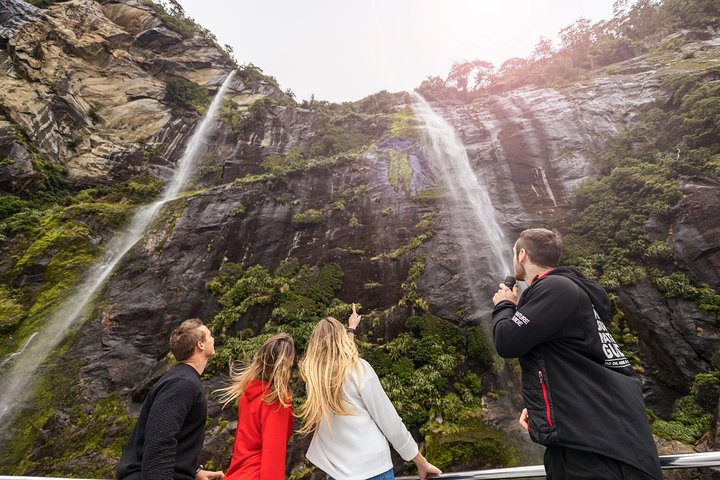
545,397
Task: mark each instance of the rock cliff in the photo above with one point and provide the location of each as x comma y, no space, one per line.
85,89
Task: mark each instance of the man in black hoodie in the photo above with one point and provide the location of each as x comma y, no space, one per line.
583,400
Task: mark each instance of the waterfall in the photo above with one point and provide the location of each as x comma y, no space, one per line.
18,378
474,217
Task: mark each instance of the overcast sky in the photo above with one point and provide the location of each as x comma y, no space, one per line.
344,50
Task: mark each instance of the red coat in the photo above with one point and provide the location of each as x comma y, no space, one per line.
261,437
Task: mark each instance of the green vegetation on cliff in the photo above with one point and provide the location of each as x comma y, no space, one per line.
641,169
404,124
256,304
429,370
182,94
343,133
53,234
349,126
91,437
693,414
424,231
173,17
308,217
399,171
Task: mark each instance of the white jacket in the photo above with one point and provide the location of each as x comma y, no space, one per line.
356,447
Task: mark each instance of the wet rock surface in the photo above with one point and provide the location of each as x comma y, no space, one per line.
530,146
677,340
696,230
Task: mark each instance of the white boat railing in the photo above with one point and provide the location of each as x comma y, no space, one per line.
667,462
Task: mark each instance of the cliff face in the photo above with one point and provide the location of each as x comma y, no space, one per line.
85,86
533,146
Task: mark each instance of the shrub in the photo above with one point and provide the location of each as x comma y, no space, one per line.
677,285
279,165
399,171
250,122
687,424
10,311
182,94
176,21
308,217
404,124
478,347
292,299
237,210
10,205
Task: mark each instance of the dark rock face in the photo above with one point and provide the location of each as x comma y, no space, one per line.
676,339
13,14
16,170
531,146
163,280
696,230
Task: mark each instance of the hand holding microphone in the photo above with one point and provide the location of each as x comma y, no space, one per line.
507,291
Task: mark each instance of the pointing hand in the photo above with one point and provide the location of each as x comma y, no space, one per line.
354,319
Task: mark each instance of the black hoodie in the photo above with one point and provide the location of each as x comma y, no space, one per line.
578,387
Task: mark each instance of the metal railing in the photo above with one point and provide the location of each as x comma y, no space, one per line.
667,462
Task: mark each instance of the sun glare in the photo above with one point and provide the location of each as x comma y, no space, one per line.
347,50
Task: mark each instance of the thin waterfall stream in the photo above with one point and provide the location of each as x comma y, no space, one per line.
18,375
469,194
485,250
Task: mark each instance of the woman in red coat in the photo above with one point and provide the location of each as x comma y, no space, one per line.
265,416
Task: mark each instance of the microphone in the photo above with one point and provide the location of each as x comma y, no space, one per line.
509,281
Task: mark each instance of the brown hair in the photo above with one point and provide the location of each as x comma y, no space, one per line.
543,246
272,364
184,338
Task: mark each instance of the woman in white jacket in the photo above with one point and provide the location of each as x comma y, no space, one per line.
347,411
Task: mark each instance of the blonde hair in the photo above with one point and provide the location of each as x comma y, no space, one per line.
329,356
273,364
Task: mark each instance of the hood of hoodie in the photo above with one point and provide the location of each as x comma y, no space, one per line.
254,389
597,294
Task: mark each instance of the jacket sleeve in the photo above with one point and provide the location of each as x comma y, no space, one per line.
169,410
541,316
276,428
385,416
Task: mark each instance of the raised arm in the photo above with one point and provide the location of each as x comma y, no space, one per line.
542,316
353,322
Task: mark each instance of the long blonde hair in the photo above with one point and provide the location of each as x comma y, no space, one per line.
272,364
329,356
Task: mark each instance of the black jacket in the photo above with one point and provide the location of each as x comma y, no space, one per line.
578,387
169,433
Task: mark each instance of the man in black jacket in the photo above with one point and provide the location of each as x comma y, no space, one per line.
169,433
583,400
